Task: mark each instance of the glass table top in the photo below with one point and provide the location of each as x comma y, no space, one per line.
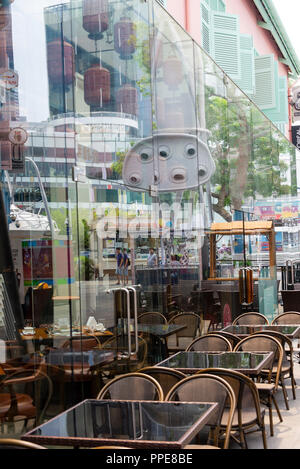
242,361
160,329
290,330
125,420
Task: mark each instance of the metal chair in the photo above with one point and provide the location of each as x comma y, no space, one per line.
233,339
250,318
267,391
124,364
287,361
152,318
210,343
248,413
208,388
132,386
166,377
22,396
290,317
183,338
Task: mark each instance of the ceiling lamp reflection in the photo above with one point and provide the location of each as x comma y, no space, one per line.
97,86
127,100
61,63
95,17
125,38
173,72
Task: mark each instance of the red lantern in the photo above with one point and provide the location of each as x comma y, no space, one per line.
95,17
3,51
173,72
125,38
61,59
97,86
127,100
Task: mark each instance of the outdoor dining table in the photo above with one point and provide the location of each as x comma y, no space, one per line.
159,332
249,363
92,358
134,424
291,331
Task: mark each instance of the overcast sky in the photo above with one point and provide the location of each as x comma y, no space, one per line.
289,12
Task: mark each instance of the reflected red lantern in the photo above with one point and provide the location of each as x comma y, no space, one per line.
127,100
61,61
4,17
95,17
97,86
173,72
3,50
125,38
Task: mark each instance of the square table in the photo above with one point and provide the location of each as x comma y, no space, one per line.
248,363
160,332
92,358
291,331
135,424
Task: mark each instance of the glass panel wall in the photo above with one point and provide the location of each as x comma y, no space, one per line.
147,182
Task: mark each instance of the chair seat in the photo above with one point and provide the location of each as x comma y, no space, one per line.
265,388
249,417
24,405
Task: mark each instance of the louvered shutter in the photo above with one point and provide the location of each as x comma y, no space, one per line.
217,5
247,81
205,28
226,43
265,85
280,114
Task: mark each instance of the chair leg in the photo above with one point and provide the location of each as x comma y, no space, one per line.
277,408
264,436
284,393
293,386
270,415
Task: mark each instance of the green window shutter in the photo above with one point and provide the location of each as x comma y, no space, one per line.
217,5
265,82
206,28
247,81
280,114
226,43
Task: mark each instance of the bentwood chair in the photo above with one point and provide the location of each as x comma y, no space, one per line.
251,318
119,344
152,318
132,386
183,338
166,377
248,414
10,443
233,339
290,317
287,360
267,390
25,395
208,388
210,343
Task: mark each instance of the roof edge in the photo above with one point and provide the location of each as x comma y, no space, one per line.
278,31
